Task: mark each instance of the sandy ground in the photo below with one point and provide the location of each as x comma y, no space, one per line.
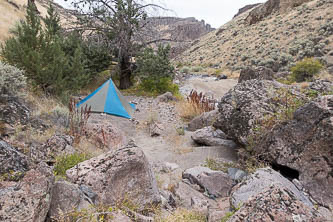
170,146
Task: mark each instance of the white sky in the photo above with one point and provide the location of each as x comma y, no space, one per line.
214,12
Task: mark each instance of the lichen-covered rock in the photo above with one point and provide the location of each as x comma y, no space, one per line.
57,145
115,176
261,180
260,73
275,203
305,144
209,136
13,111
321,86
215,183
248,103
67,197
205,119
13,164
28,199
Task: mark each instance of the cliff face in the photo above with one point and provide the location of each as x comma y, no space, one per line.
178,32
282,6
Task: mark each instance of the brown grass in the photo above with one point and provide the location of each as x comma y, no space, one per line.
182,215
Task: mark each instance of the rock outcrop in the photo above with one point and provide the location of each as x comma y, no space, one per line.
244,106
245,9
25,188
271,6
305,144
120,175
275,203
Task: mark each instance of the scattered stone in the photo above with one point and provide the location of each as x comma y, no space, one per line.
169,167
260,73
155,129
67,197
205,119
261,180
321,86
276,203
210,136
166,97
215,183
305,145
118,175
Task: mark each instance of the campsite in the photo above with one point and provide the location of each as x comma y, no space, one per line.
120,110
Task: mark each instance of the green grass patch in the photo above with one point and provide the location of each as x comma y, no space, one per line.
63,163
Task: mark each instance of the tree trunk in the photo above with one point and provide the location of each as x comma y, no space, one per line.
125,72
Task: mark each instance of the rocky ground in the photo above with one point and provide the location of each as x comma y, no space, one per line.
196,171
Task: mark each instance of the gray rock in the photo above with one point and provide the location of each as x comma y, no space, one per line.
118,175
169,167
57,145
189,198
236,174
216,215
155,129
261,180
212,137
13,164
305,145
205,119
91,195
166,97
321,86
215,183
28,199
276,203
260,73
247,104
67,197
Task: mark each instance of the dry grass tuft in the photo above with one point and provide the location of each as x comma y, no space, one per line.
183,215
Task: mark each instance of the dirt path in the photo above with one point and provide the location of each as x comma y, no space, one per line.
170,146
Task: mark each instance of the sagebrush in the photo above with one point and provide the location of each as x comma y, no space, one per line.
12,79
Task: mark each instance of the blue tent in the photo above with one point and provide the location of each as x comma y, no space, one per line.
108,99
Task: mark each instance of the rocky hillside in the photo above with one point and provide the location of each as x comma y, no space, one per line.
275,35
11,11
180,31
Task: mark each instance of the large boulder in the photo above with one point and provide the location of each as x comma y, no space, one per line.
25,188
305,144
13,111
275,203
209,136
215,183
67,197
248,103
203,120
116,176
261,180
260,73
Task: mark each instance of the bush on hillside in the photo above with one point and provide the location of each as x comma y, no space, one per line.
56,62
155,70
305,70
12,79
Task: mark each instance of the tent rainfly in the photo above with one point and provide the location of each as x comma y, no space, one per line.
108,99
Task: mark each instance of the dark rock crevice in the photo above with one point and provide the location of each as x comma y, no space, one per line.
286,171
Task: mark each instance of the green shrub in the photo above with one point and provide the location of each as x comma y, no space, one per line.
197,69
185,70
159,86
155,70
12,79
54,61
305,70
66,162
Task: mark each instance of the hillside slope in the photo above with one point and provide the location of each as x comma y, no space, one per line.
276,41
12,11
